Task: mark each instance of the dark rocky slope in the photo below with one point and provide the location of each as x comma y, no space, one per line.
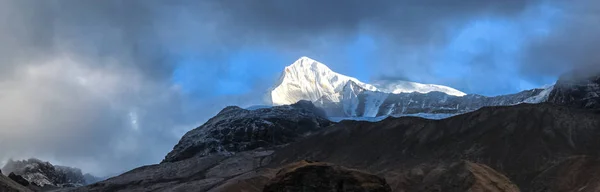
45,175
520,141
8,185
192,174
19,179
235,129
578,173
461,176
577,90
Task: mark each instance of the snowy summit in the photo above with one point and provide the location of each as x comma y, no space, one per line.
307,79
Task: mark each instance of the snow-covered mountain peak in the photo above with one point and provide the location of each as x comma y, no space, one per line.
308,79
308,63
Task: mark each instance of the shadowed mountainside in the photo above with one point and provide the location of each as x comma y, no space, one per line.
494,148
520,141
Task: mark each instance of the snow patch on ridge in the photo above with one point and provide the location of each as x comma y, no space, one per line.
542,97
349,99
397,87
435,116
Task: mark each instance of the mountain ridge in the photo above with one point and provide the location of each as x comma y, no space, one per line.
510,144
235,129
534,147
535,140
346,97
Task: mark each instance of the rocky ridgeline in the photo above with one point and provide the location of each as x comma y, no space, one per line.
577,91
235,129
573,89
359,102
44,174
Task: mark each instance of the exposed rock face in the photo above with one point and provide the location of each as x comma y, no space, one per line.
71,175
235,129
19,179
577,91
8,185
311,176
44,174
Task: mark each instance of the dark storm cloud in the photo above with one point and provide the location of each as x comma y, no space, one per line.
410,35
121,29
573,45
318,16
296,23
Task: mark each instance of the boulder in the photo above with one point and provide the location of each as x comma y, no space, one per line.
315,176
466,176
19,179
